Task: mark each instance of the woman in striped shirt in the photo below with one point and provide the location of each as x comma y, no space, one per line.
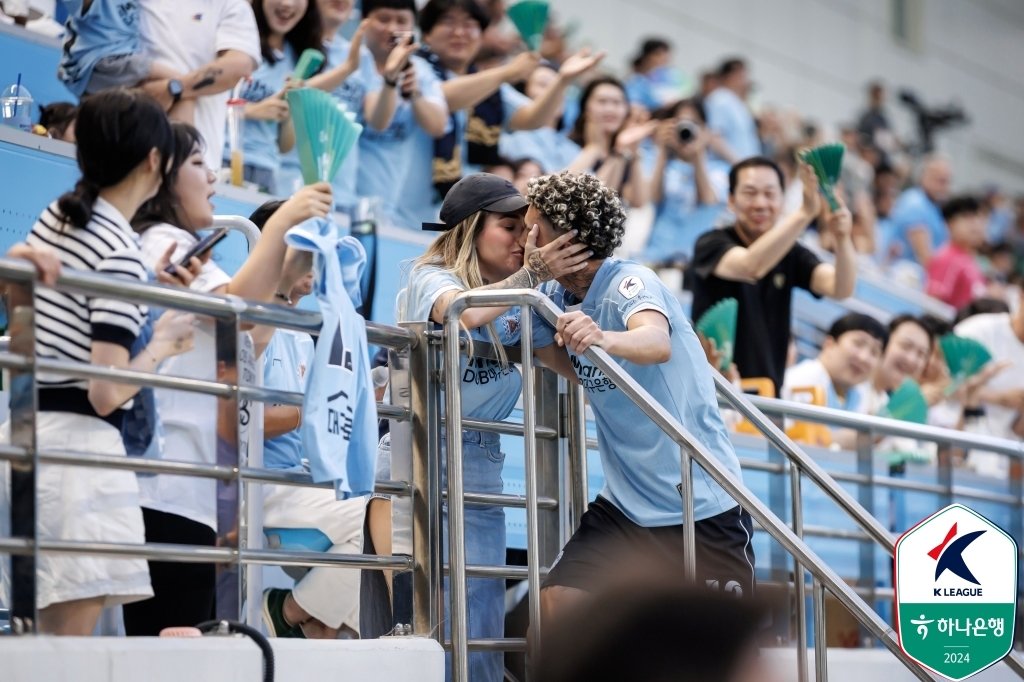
124,146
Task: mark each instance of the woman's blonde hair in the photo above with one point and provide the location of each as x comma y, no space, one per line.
455,250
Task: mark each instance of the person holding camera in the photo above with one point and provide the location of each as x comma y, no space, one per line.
687,188
420,111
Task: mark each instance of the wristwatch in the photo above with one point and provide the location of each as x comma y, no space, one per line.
175,89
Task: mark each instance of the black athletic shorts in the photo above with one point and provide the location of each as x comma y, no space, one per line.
606,536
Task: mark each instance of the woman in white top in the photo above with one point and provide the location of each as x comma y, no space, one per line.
125,143
184,509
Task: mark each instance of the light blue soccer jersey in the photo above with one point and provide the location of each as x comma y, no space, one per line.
547,146
679,217
287,361
489,390
339,417
385,156
641,463
915,209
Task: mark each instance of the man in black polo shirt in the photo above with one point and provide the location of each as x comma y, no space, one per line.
758,262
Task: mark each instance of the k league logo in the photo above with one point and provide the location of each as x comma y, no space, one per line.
956,591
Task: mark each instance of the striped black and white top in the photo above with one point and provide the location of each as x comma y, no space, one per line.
67,324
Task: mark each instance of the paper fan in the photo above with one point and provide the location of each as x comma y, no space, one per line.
827,162
530,17
324,133
311,60
907,403
964,356
718,324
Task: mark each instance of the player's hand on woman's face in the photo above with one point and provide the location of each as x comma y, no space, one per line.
577,331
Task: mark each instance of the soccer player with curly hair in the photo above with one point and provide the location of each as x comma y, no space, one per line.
624,308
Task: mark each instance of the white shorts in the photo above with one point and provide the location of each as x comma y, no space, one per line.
84,504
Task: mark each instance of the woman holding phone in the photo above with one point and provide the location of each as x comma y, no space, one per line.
180,509
125,144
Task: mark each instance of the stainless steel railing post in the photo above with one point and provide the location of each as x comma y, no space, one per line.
530,453
24,474
424,401
577,462
820,633
457,588
689,531
799,587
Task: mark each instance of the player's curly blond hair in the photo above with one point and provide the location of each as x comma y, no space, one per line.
580,201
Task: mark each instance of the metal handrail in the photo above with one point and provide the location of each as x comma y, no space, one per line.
884,426
745,405
690,447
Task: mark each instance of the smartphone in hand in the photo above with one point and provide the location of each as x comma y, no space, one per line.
199,249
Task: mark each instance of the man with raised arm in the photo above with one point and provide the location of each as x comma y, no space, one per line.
758,262
624,308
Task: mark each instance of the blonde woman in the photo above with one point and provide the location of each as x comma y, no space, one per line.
485,245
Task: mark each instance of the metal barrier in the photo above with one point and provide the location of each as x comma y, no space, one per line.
553,504
754,409
25,458
690,450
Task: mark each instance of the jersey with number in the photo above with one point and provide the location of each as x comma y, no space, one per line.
490,388
641,463
339,425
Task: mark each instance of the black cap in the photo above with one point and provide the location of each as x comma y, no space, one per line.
477,192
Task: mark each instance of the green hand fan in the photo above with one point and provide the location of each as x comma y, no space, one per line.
965,357
311,60
718,324
530,17
907,403
827,162
324,133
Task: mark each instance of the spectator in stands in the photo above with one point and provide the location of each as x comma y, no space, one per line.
503,168
287,28
688,190
885,191
728,113
325,602
953,273
917,225
873,124
182,509
759,262
650,84
906,353
421,112
59,120
483,103
626,310
351,74
849,357
102,49
1002,398
215,43
525,170
547,144
610,146
485,245
126,142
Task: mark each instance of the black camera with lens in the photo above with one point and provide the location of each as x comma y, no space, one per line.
687,131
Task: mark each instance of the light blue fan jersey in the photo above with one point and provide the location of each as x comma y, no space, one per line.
489,390
641,463
339,419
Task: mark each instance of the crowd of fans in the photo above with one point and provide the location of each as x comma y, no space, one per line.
445,91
